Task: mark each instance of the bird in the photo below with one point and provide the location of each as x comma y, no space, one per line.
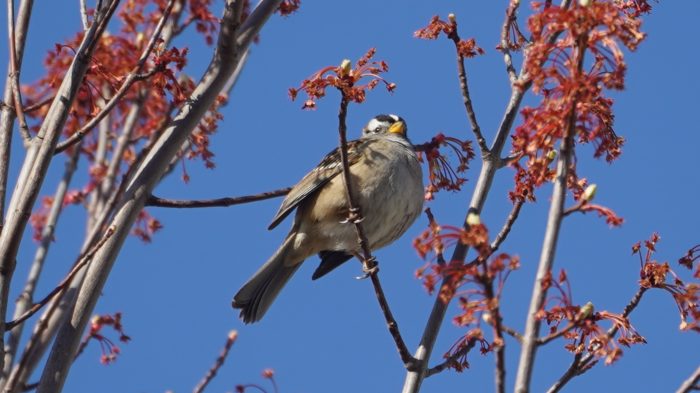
387,182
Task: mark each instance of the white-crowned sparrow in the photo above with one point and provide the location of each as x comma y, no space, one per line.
388,186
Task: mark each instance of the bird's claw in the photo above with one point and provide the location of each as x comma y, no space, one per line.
354,217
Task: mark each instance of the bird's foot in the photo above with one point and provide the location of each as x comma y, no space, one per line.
354,216
369,267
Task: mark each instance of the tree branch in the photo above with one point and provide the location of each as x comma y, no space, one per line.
82,261
47,235
549,245
369,263
505,45
490,165
464,87
14,74
211,373
234,38
692,383
508,225
7,112
218,202
39,156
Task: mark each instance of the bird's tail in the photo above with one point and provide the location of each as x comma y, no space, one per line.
258,293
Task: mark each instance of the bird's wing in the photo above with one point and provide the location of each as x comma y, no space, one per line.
326,170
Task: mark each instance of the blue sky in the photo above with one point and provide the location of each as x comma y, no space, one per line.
329,335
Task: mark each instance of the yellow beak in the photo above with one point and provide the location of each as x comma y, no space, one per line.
398,128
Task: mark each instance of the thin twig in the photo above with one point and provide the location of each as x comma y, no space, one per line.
218,363
464,87
692,383
84,15
369,263
82,261
14,74
505,45
218,202
582,362
508,225
431,221
553,336
513,333
451,360
128,82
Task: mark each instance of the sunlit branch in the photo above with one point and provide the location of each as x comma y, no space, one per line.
84,15
692,383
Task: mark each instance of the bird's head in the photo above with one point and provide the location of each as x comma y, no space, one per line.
385,124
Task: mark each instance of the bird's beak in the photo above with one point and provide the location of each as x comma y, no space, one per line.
398,128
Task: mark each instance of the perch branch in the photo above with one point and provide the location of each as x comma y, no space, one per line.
218,202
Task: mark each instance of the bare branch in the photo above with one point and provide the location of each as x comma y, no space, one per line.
7,112
218,363
508,225
505,45
513,333
128,82
84,15
219,202
692,383
464,87
14,73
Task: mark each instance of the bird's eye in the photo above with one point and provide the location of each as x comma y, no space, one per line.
377,129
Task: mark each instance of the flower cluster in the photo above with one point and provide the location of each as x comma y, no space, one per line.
146,226
441,174
571,86
654,274
582,328
345,78
465,48
110,350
